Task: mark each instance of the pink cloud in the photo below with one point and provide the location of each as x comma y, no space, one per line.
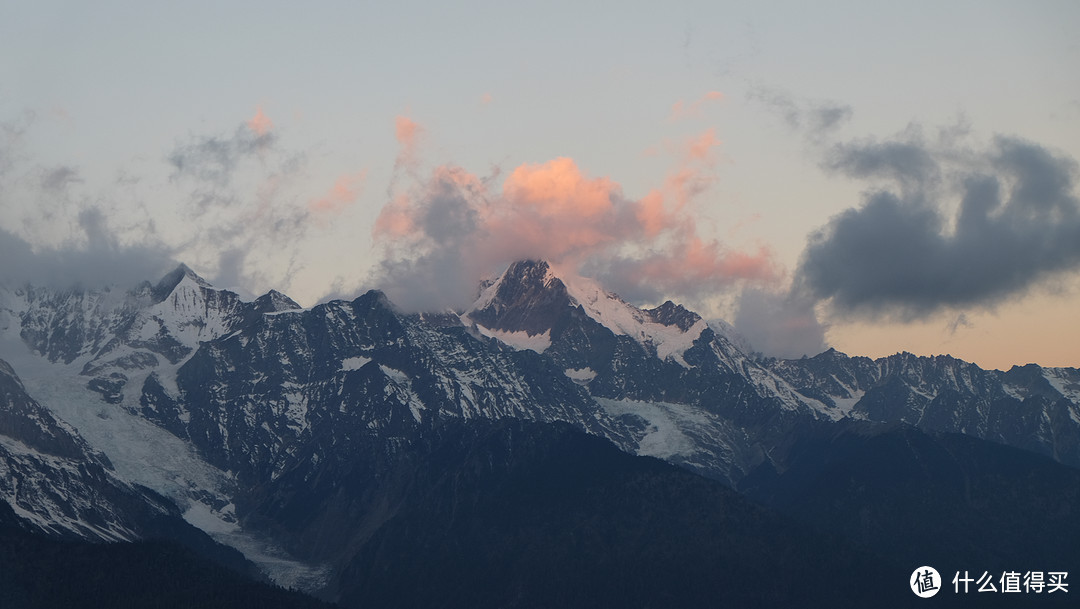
700,148
406,130
447,230
557,212
408,133
260,124
694,109
559,188
694,260
553,210
395,221
345,192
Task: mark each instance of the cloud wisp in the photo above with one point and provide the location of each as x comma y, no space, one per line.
779,324
815,119
684,110
236,206
345,192
57,232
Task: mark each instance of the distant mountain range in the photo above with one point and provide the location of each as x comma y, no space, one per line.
507,455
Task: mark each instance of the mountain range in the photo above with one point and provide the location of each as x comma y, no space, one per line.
550,445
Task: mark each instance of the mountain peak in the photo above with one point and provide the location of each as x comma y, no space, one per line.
526,297
671,314
528,268
173,278
529,299
274,301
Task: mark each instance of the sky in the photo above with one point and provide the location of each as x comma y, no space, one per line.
874,177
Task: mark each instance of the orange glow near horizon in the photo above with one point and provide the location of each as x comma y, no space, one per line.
1040,328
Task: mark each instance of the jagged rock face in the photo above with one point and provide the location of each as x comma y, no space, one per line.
25,420
345,371
274,302
260,379
308,412
124,337
612,350
167,319
671,314
63,325
57,483
630,358
527,298
1030,407
292,402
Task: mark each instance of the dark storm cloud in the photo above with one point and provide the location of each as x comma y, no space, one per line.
947,230
907,162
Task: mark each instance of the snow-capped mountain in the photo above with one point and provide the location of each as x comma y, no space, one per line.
529,305
292,434
1029,407
690,394
55,481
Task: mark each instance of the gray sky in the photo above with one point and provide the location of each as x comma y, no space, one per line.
690,151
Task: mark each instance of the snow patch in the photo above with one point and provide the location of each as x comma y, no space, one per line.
664,437
845,405
1013,391
53,505
354,363
622,318
285,570
580,375
400,377
416,405
285,312
520,340
145,454
140,451
1066,381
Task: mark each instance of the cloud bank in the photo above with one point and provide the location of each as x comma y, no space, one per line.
58,233
446,232
97,258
